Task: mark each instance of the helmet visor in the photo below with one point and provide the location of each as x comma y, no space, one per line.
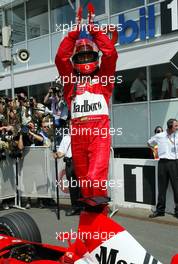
85,57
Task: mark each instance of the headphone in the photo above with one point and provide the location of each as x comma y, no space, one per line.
170,123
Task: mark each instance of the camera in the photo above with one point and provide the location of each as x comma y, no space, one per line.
7,136
6,140
55,89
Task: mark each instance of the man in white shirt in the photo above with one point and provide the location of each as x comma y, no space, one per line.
64,151
169,86
138,88
167,142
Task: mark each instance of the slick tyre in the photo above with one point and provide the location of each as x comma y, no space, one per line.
20,225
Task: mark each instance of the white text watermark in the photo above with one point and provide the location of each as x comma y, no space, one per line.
73,235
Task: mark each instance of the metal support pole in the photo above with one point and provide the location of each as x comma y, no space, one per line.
17,198
12,77
56,170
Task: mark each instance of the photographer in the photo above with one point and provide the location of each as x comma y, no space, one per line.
30,136
44,133
53,97
11,113
58,108
22,109
31,105
38,114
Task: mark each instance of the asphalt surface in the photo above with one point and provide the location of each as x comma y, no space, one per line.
158,236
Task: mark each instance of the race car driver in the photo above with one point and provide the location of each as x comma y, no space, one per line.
88,100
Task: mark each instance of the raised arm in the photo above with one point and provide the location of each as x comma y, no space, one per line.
105,45
65,52
63,63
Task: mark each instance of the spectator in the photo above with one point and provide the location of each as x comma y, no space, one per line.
38,115
11,113
169,86
22,110
30,136
53,98
58,108
30,107
167,165
44,133
24,123
32,102
139,88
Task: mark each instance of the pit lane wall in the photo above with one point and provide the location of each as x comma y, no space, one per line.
132,182
135,184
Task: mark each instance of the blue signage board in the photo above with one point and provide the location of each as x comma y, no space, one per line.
144,28
138,29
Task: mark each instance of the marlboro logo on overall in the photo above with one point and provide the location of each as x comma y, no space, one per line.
89,104
86,107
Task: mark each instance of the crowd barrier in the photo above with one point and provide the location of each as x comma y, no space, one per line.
132,182
7,179
36,175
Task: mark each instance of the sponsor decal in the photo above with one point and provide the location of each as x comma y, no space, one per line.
86,107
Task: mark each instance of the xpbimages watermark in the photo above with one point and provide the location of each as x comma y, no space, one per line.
83,27
96,131
104,80
102,184
73,235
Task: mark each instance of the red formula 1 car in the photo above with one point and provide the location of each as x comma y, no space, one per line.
100,240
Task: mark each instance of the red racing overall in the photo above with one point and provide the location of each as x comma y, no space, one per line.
89,113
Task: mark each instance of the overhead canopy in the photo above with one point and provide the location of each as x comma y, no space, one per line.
148,56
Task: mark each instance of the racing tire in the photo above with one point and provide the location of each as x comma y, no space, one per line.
20,225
